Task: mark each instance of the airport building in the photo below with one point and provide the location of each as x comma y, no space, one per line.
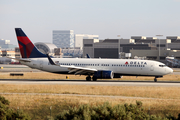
110,48
4,54
5,45
46,48
67,39
79,39
138,47
63,38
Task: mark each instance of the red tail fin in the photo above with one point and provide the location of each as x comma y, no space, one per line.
27,48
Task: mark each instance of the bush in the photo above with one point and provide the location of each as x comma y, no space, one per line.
9,114
107,112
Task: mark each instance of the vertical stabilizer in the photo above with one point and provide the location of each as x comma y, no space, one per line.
27,48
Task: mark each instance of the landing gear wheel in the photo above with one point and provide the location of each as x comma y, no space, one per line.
88,78
155,79
94,78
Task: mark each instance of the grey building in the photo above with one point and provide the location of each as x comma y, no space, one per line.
156,54
138,46
175,42
63,38
108,48
5,45
79,39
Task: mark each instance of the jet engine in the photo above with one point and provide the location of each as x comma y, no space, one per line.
103,75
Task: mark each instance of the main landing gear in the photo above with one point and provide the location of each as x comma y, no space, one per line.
88,78
155,79
94,78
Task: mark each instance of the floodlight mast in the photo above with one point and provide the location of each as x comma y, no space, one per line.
119,46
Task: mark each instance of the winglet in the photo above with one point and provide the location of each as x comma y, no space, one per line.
88,56
50,60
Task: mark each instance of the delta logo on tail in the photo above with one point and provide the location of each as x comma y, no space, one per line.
27,49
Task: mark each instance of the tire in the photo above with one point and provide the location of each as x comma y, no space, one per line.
88,78
94,79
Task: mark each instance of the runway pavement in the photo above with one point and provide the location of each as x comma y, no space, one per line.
99,82
16,68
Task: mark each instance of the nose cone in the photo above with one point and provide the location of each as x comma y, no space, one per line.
170,70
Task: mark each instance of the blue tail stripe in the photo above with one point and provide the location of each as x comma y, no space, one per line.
19,32
24,48
36,54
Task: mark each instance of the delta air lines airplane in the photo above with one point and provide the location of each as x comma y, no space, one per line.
93,68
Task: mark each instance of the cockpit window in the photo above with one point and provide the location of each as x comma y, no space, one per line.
162,65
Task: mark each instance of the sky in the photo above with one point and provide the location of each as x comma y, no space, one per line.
106,18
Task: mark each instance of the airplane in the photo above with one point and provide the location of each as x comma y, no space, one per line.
93,68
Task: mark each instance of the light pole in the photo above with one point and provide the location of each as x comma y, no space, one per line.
159,44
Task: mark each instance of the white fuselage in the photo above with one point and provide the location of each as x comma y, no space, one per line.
118,66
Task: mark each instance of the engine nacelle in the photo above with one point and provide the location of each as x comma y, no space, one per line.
104,74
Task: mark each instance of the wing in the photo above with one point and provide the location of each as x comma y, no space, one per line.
74,69
79,70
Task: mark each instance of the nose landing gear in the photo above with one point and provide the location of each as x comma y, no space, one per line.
155,79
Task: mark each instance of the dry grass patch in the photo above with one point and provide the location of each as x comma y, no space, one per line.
133,91
35,102
41,75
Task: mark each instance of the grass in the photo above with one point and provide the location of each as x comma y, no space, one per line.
131,91
38,106
160,100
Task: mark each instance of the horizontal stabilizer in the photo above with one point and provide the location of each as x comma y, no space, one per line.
20,59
